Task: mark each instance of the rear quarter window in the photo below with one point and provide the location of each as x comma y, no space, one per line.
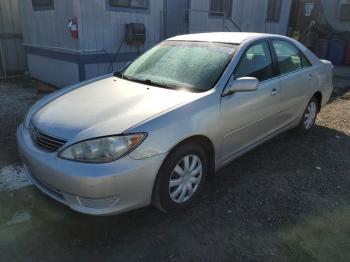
304,61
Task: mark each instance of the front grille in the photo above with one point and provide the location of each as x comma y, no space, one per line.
45,141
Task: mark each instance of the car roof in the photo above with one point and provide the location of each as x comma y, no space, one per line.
242,38
221,37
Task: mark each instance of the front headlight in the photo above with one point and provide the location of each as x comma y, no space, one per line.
104,149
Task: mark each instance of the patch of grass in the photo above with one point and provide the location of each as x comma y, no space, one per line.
325,237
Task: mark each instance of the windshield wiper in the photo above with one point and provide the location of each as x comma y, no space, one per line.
119,74
148,82
138,80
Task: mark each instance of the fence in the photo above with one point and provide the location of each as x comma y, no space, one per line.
12,54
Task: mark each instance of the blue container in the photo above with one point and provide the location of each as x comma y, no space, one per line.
336,51
321,48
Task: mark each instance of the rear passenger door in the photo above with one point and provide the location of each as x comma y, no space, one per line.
296,80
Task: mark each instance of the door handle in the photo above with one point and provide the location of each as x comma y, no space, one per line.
274,91
310,76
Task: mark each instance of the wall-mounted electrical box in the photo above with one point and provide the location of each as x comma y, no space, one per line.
135,34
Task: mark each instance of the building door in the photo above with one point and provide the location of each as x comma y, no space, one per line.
176,17
302,14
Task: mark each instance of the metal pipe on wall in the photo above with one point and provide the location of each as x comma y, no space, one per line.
2,59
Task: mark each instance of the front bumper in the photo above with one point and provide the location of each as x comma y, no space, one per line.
96,189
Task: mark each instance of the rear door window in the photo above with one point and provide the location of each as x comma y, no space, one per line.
288,56
256,62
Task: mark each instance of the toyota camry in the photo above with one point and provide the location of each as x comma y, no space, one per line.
155,131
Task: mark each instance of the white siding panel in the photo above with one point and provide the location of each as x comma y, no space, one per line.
249,15
331,9
45,69
104,28
48,27
281,27
94,70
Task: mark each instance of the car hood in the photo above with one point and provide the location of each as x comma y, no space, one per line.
105,107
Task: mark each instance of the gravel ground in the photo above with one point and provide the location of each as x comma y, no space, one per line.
288,200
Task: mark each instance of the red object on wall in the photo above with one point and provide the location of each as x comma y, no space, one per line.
347,54
73,27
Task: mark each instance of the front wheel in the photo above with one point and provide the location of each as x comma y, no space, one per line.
309,117
180,178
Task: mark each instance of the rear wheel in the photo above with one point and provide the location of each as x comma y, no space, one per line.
309,117
180,178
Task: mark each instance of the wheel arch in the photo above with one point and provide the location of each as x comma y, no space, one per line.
318,96
200,140
205,143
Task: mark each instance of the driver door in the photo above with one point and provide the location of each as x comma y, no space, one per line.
248,117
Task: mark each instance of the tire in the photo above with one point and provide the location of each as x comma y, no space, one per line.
309,116
168,197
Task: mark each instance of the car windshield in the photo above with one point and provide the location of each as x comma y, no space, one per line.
196,66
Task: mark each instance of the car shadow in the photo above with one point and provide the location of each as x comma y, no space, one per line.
262,194
289,199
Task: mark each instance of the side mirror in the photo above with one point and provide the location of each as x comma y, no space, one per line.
243,84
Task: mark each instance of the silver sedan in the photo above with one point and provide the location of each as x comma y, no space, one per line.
155,131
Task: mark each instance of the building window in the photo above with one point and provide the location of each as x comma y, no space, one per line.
140,4
344,12
221,7
274,10
42,4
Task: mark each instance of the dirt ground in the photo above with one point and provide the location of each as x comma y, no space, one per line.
288,200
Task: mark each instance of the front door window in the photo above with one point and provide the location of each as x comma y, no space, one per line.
256,62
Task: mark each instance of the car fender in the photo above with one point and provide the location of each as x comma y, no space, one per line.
165,131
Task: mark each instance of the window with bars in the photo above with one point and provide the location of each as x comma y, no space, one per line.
221,7
42,4
139,4
344,12
274,11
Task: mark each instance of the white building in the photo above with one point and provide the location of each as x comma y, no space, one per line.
56,56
